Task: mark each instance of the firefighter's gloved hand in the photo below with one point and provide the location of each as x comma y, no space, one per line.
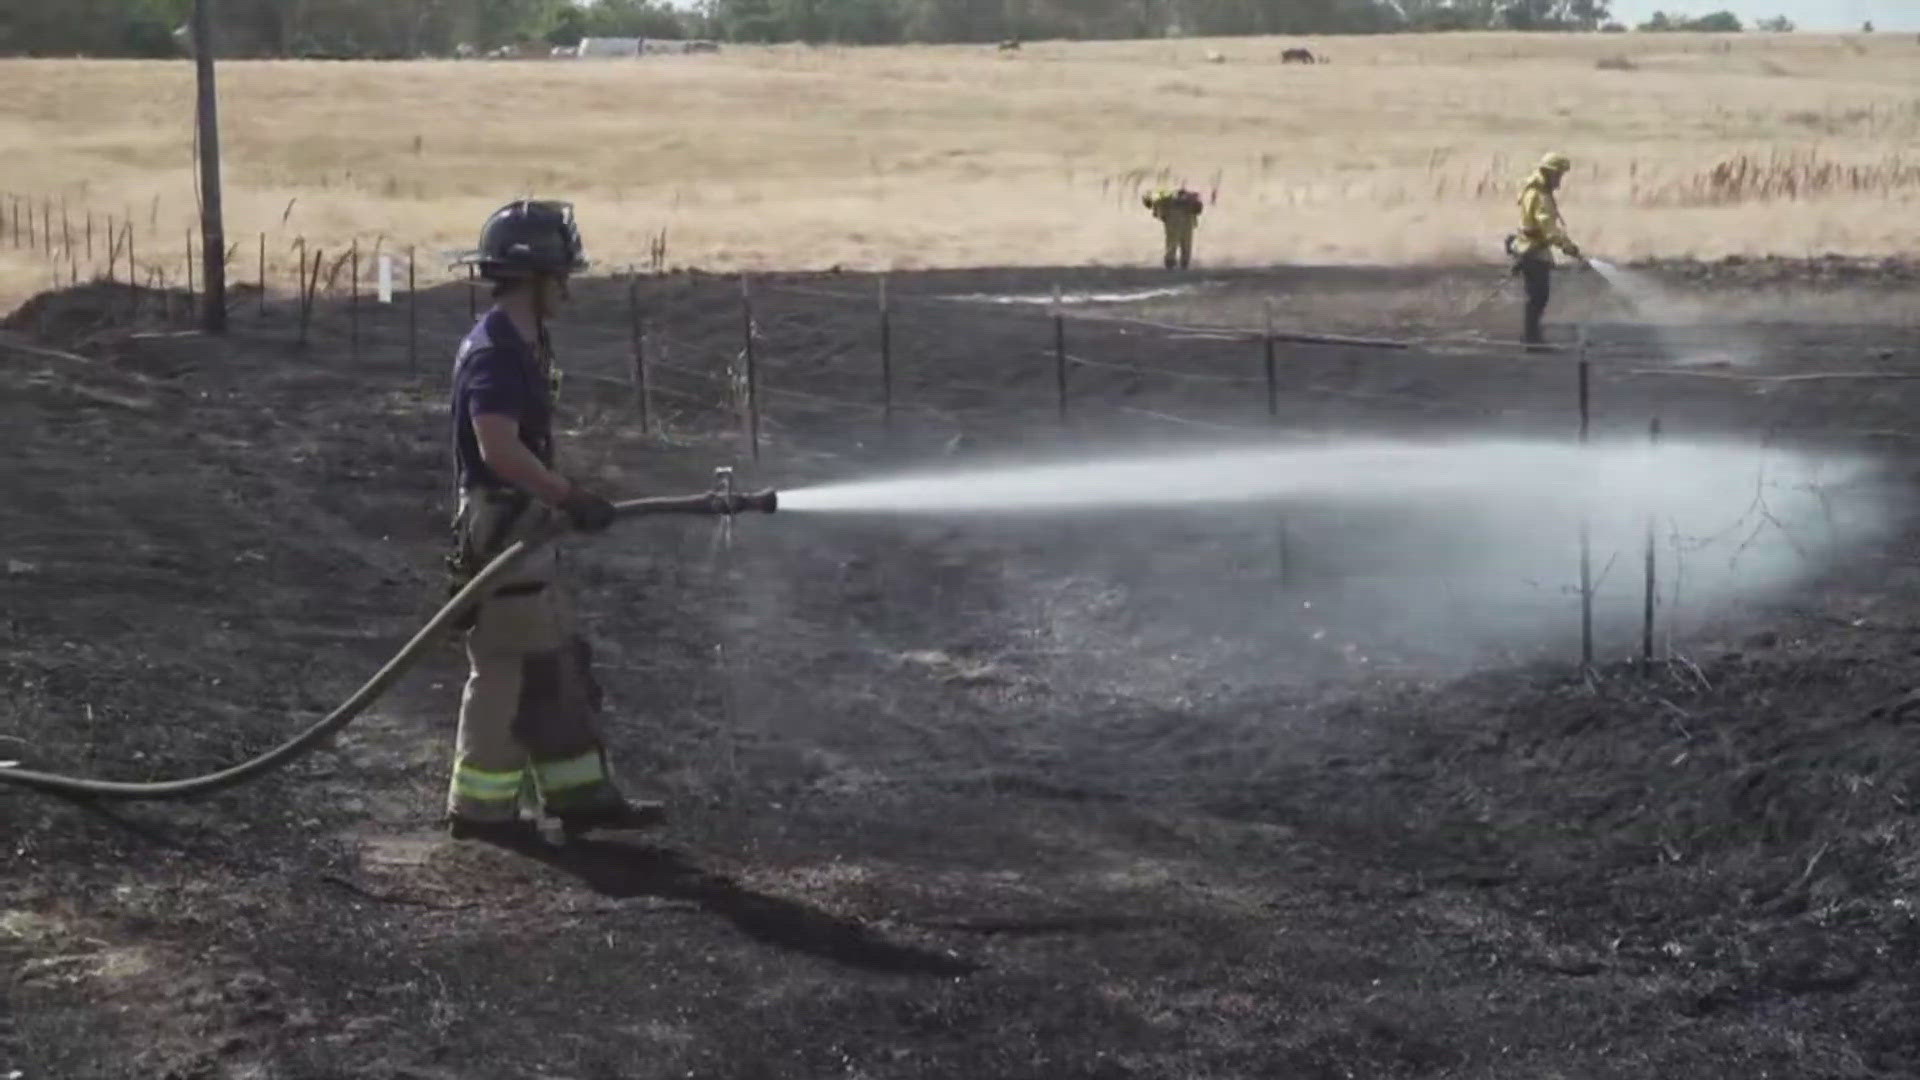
1573,251
587,512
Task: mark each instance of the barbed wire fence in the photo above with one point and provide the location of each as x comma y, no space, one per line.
680,386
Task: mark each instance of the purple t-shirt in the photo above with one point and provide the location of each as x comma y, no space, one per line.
496,373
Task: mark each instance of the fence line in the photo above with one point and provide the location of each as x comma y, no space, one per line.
1190,376
741,391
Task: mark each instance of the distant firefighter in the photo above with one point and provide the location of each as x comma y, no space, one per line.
1541,230
1179,213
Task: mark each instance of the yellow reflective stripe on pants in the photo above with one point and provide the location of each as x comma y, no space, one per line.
557,777
484,786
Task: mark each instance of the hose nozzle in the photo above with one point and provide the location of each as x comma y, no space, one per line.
765,502
722,501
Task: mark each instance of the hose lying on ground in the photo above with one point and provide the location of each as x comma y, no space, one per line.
716,503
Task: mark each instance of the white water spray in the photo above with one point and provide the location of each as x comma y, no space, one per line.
1639,289
1669,316
1692,481
1428,528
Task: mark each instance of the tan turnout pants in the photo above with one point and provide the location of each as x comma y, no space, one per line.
1179,226
528,713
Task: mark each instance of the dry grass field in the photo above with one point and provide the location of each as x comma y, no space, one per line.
1402,149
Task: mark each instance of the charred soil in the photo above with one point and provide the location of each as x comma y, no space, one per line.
1106,797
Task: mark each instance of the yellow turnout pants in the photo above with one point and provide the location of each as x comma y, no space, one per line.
528,713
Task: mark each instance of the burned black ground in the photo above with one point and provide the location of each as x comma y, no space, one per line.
952,800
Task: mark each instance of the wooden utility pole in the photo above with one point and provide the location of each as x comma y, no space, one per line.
213,236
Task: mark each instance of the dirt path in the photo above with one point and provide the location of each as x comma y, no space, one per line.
1082,799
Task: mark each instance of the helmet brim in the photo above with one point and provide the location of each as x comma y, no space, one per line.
497,269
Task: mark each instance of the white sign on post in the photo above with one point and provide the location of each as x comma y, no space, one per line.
386,279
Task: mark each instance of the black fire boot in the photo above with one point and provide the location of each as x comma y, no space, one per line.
506,833
614,815
1538,275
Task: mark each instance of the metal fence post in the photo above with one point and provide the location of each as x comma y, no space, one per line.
353,301
189,273
413,315
1586,522
753,382
637,328
1646,615
133,276
1273,386
886,357
1060,351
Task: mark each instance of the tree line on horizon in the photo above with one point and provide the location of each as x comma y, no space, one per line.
395,29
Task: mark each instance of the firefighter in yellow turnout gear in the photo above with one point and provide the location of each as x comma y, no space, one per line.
1179,212
1541,230
528,715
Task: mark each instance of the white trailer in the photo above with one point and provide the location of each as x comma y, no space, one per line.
595,47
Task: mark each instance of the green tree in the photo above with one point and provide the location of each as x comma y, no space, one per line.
1720,22
87,27
1426,15
623,18
1556,14
749,20
858,22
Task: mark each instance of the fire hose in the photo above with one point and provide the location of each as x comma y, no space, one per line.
723,502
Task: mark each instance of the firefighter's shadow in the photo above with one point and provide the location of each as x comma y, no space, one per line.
627,870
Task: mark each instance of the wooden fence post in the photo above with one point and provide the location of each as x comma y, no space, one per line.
263,273
46,226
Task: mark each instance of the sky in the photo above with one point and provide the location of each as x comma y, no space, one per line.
1806,14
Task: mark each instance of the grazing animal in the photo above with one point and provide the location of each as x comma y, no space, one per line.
1298,56
1010,45
1216,58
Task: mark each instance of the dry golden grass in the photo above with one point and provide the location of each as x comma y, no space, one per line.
1402,149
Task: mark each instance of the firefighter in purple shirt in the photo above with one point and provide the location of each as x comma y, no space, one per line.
528,716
